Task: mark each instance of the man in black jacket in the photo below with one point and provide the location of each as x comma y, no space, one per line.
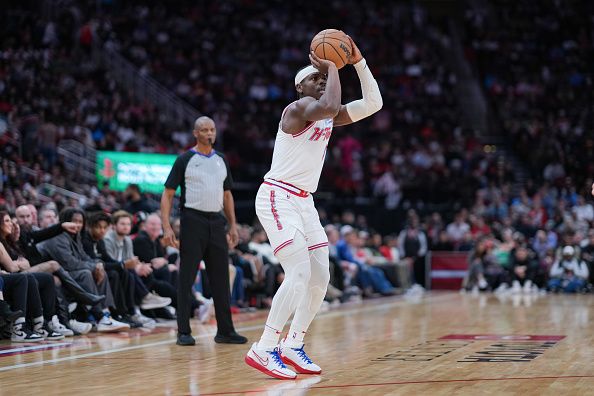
67,249
121,281
29,237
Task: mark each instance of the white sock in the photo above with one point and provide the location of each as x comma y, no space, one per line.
294,338
314,296
269,338
294,259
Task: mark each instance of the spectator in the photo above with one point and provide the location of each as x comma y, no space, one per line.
118,245
457,230
568,274
136,201
412,245
163,280
523,270
67,249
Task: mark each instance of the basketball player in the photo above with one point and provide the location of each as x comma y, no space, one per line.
285,208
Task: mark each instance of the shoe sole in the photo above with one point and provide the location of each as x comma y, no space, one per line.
153,306
251,362
298,369
84,332
25,341
225,341
113,329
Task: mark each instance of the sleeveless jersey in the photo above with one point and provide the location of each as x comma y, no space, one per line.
298,159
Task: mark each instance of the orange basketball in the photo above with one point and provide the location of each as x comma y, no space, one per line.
332,45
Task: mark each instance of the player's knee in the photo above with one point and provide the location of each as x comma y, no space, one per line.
293,249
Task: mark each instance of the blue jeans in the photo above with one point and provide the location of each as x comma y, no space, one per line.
572,286
237,289
374,277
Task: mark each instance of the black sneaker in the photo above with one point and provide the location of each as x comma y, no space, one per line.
127,318
48,334
6,315
185,340
231,338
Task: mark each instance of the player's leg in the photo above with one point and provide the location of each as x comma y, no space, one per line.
308,307
281,220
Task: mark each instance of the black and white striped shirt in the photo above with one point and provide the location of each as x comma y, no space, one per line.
203,180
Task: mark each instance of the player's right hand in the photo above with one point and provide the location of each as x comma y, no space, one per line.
169,238
355,54
321,64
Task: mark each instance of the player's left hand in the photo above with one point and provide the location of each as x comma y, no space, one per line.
355,54
233,236
593,189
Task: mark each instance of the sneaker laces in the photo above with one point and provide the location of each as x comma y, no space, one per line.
301,353
276,357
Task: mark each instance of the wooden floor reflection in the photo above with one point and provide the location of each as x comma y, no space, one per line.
437,343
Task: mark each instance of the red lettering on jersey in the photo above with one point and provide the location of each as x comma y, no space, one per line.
318,133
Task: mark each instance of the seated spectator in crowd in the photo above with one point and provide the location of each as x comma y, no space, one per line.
47,217
569,274
119,246
41,291
523,270
272,270
412,244
588,254
371,280
541,244
122,281
24,216
27,239
342,272
484,271
136,202
7,315
457,230
443,242
67,249
163,280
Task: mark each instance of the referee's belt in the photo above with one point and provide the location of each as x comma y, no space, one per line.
205,214
287,187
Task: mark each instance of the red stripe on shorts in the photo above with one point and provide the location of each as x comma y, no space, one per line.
279,226
282,245
319,245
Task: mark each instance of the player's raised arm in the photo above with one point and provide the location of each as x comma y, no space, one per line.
372,100
319,93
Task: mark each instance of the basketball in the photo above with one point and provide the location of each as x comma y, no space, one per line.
332,45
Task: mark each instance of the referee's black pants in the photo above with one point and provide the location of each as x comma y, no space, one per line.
203,237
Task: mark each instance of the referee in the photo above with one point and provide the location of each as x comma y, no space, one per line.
205,181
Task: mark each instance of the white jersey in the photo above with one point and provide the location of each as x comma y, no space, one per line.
298,159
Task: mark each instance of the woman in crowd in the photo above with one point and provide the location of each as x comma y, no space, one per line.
39,304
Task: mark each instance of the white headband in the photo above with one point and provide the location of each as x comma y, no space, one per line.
306,71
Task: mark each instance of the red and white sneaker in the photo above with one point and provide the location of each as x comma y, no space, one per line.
269,362
297,358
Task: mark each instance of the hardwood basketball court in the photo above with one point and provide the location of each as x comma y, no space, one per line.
437,343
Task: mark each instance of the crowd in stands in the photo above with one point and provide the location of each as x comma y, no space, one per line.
537,74
80,269
72,265
51,89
